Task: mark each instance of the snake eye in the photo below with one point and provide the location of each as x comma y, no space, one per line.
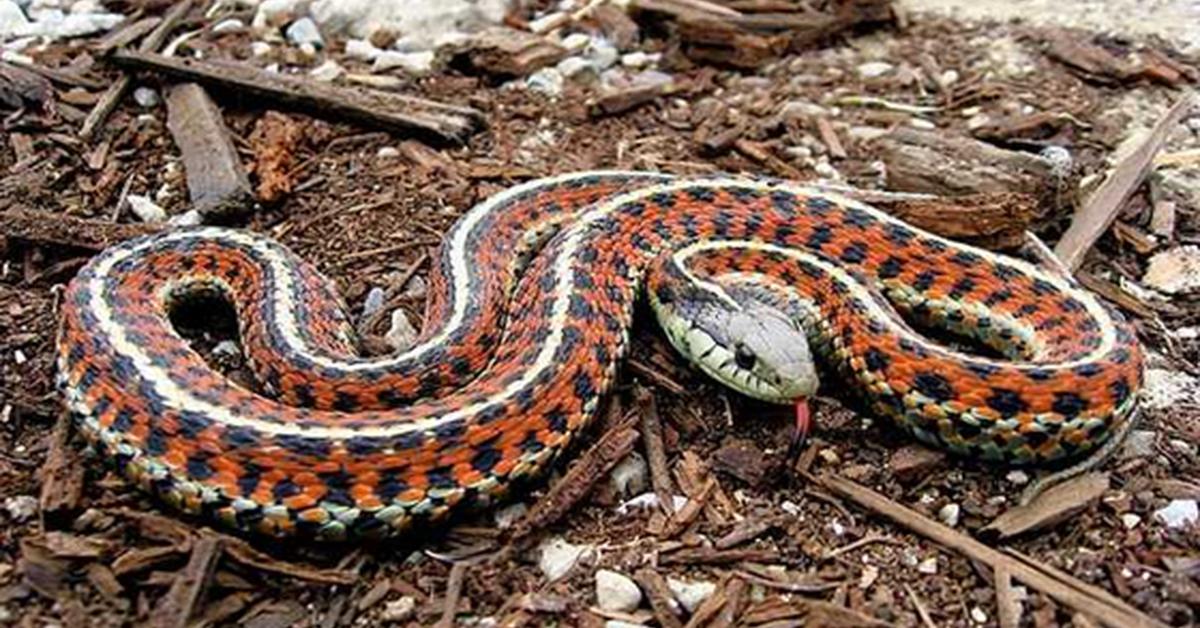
743,358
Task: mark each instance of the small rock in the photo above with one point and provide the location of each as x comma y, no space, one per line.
387,152
576,42
145,209
630,476
304,31
1178,513
509,515
873,69
602,53
557,557
1130,520
914,462
1174,271
978,121
978,616
546,81
928,566
948,78
949,514
648,500
226,349
362,49
374,301
616,623
189,218
1139,444
616,592
1182,446
921,123
691,594
260,48
13,22
799,109
869,575
400,610
275,13
401,335
308,51
145,97
790,507
21,507
228,26
326,72
1018,477
637,59
577,68
415,63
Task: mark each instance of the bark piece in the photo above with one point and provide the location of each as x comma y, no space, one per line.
947,165
186,591
216,180
1051,507
508,52
62,476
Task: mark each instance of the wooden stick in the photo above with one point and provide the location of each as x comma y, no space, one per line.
216,180
1101,208
1062,587
48,228
656,452
112,97
426,118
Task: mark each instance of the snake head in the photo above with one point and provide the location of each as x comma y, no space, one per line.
753,348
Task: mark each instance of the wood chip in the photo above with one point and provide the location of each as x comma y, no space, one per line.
612,102
216,180
62,474
1051,507
662,601
745,531
656,453
1101,208
508,52
713,556
586,471
454,585
179,604
913,463
830,137
679,521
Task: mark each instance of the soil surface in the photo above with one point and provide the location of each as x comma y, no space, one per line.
369,207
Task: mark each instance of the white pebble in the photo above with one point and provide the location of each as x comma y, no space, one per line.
226,349
361,49
373,302
12,20
1130,520
873,69
1178,513
789,507
304,31
401,335
1017,476
602,53
509,515
228,26
948,78
616,592
387,152
546,81
691,594
189,218
145,209
921,123
630,476
576,42
260,48
577,68
145,97
326,72
400,610
928,566
949,514
416,63
978,616
557,557
21,507
636,59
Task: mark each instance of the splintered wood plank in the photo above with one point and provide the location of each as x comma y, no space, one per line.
216,180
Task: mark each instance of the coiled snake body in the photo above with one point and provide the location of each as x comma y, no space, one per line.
531,301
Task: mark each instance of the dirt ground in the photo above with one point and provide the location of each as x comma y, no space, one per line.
369,217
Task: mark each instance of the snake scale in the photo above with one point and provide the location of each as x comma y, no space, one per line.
531,300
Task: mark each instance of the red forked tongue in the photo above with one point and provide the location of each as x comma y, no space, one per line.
803,424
